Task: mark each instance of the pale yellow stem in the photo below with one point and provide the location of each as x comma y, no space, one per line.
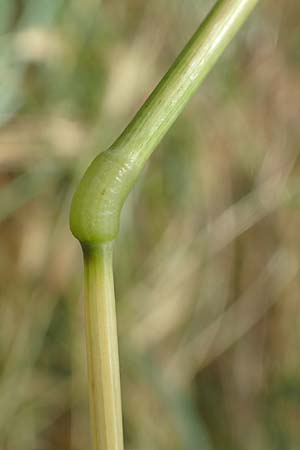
102,349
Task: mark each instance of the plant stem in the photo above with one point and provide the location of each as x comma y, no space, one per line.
183,78
98,201
102,349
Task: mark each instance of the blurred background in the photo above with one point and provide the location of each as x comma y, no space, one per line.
207,261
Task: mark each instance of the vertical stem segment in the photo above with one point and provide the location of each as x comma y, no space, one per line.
102,348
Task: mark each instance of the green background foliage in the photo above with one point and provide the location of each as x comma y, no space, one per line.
207,261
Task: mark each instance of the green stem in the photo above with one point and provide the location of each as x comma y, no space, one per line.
183,78
97,204
102,349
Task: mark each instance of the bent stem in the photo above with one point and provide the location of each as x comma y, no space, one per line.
102,348
97,203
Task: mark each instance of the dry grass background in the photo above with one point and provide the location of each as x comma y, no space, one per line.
207,262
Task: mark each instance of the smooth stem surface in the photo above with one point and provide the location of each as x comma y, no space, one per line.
98,201
100,196
173,92
102,349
